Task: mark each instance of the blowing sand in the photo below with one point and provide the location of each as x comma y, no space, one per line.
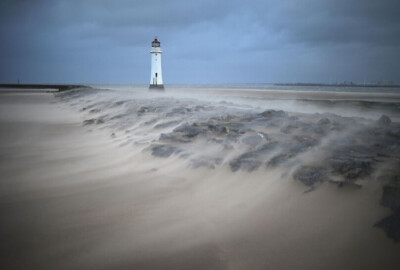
72,197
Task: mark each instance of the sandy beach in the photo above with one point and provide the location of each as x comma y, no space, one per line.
88,181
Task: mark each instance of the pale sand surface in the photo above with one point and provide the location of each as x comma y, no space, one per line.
71,198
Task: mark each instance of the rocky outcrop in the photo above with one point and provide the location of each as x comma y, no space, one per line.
391,199
310,175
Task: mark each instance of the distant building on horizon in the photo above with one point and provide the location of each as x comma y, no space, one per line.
156,80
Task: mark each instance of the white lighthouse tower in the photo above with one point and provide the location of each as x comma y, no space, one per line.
156,81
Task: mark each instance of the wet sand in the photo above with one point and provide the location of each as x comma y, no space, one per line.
73,197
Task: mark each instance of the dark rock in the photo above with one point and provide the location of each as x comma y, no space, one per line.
94,110
300,144
337,126
144,109
324,121
391,198
89,121
266,147
391,225
93,121
352,167
164,150
100,121
172,138
288,129
305,141
118,116
314,129
224,130
251,161
213,128
192,130
292,124
384,120
178,111
280,158
310,175
248,162
353,161
273,113
394,180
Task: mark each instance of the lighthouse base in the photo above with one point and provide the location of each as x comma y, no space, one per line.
156,87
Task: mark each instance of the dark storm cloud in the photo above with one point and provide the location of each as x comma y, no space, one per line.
204,41
342,21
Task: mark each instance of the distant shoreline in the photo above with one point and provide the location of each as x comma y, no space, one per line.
42,87
340,85
65,87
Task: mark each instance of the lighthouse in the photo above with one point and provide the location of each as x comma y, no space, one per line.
156,81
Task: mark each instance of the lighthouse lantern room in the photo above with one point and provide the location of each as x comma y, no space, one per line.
156,80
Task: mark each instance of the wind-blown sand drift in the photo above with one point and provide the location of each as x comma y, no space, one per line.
199,180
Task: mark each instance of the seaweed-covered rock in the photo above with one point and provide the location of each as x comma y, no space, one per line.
310,175
280,158
251,161
142,110
353,161
352,167
146,109
164,150
314,129
384,120
172,137
324,121
248,162
178,111
391,198
189,131
273,113
89,121
93,121
391,225
100,121
288,129
95,110
305,141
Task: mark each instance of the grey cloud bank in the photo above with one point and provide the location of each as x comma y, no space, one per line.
204,41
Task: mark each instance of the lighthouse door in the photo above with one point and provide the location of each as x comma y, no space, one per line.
156,78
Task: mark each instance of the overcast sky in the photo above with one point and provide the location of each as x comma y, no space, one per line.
204,41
